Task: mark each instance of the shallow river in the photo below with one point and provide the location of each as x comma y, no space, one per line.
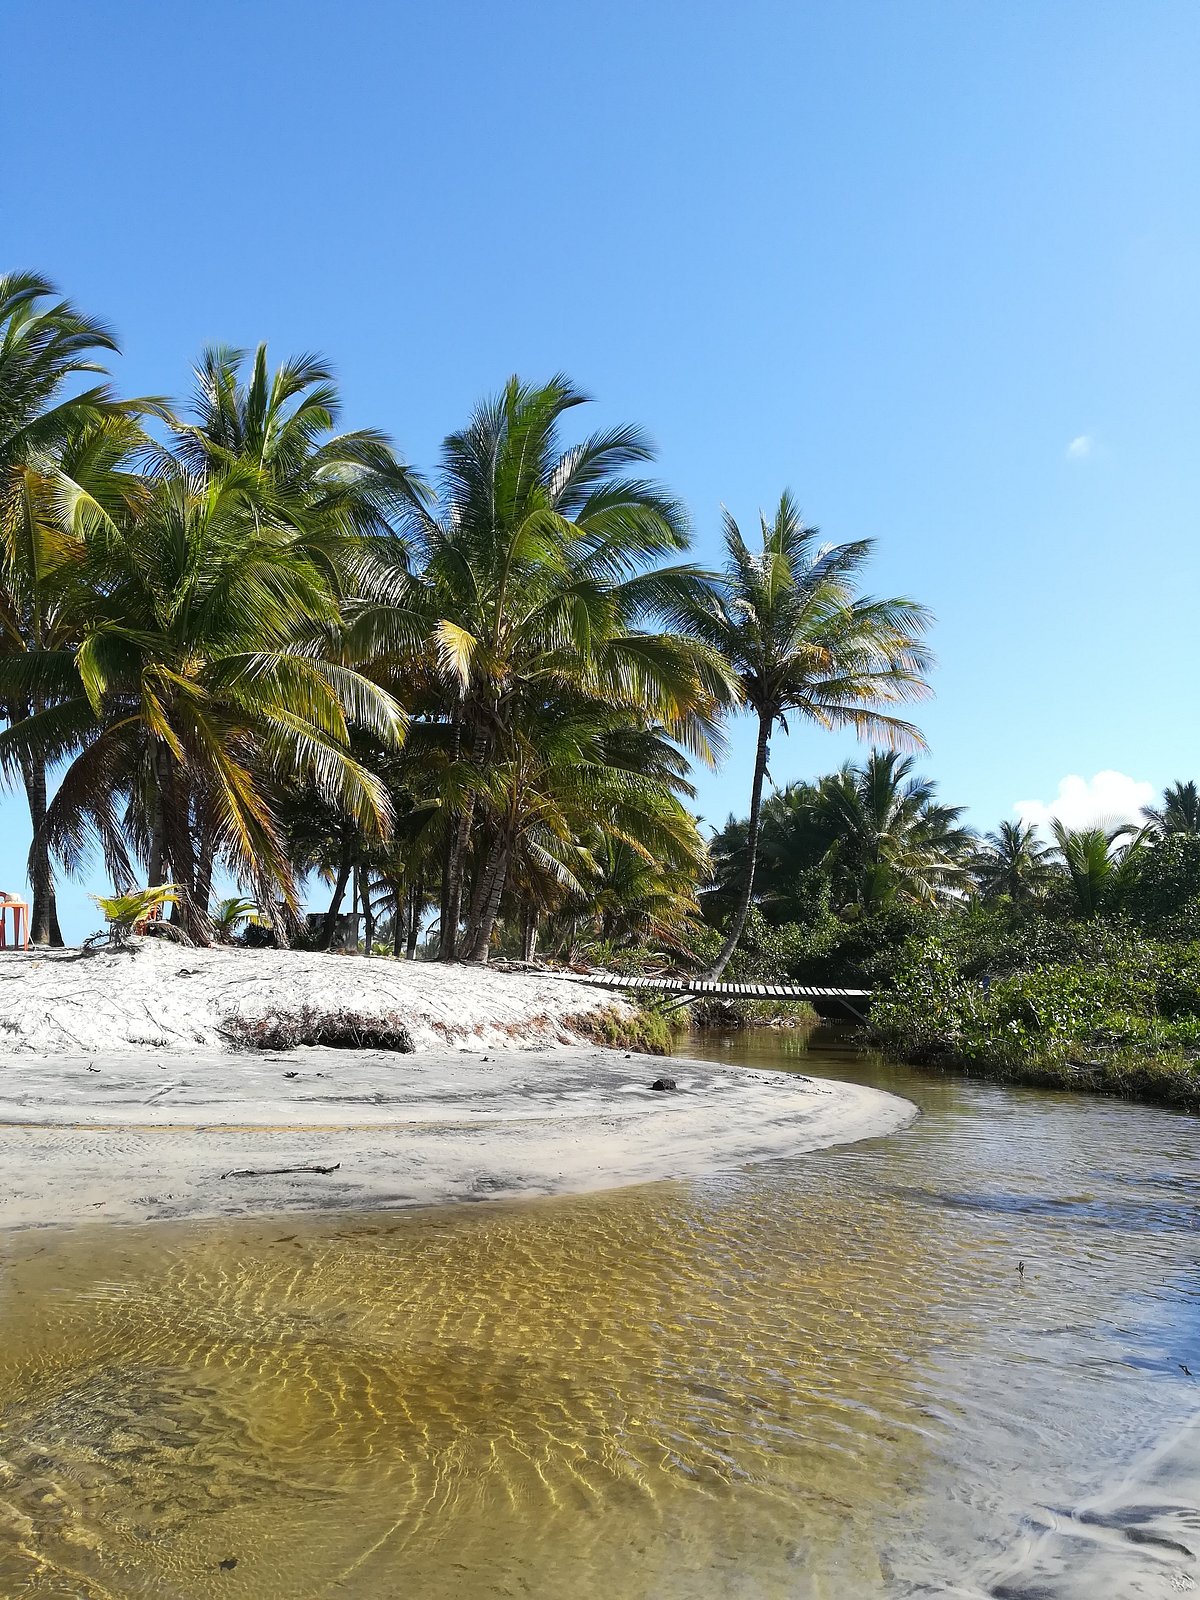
817,1378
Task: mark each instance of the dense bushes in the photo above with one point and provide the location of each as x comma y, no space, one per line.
1092,1004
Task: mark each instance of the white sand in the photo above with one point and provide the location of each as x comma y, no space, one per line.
117,1099
160,996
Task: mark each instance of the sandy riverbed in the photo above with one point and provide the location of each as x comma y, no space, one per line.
117,1099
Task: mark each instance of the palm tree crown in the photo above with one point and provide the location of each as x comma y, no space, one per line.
1178,811
804,642
1013,861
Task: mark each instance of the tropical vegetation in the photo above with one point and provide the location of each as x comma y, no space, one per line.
245,653
1072,961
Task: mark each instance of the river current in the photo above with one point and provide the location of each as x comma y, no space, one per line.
950,1362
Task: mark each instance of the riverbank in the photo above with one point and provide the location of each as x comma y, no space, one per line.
1020,997
828,1367
1166,1078
122,1096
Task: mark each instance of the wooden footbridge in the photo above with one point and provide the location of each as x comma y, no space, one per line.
684,990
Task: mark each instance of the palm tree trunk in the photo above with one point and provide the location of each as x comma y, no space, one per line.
43,918
414,919
453,875
154,861
329,927
456,843
368,914
529,933
494,878
452,904
204,868
738,922
479,893
399,901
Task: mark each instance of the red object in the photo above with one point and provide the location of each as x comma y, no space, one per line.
20,911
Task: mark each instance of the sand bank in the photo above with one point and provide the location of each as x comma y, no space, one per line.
491,1104
162,997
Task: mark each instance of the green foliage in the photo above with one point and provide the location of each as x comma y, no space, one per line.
227,916
650,1029
774,954
1090,1004
1166,894
123,912
1179,982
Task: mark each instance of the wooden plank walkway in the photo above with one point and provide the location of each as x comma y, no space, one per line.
703,986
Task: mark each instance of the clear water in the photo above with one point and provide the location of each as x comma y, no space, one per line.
817,1378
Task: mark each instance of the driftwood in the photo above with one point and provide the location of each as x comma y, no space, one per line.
278,1172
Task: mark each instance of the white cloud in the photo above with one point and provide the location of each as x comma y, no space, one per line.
1107,799
1080,446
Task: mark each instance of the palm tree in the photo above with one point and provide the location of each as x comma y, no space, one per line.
889,837
228,916
1178,812
340,493
1014,862
539,590
633,899
804,642
342,490
1099,865
197,692
45,343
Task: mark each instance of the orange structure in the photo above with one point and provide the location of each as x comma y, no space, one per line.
20,916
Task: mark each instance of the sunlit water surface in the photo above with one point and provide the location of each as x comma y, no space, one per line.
817,1378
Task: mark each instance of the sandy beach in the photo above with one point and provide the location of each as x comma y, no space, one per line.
118,1099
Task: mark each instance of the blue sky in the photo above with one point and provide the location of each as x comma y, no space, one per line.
896,256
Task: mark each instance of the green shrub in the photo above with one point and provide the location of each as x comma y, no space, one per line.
1094,1005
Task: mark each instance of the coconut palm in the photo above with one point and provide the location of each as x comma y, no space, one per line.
45,344
1013,861
1098,865
889,838
339,492
196,692
1178,812
805,644
538,587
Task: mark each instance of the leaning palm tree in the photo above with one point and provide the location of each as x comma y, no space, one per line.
45,344
805,643
1177,812
1014,862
